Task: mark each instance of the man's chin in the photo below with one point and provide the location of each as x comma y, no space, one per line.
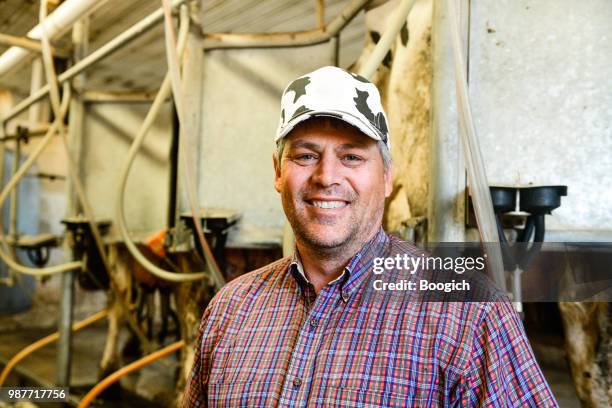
325,239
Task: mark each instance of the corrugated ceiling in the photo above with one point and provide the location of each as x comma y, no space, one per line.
141,65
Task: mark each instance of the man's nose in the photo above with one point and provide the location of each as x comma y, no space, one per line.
328,171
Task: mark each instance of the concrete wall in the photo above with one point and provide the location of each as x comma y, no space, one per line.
109,130
540,77
241,108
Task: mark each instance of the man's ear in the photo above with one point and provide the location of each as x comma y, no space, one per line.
388,176
277,173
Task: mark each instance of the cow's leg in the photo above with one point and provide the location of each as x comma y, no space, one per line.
119,295
191,299
588,334
110,357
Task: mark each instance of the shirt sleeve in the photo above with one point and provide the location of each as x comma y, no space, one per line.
195,395
502,370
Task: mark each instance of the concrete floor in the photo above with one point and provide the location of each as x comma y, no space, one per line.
155,383
552,359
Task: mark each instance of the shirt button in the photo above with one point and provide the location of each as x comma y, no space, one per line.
297,382
313,323
345,296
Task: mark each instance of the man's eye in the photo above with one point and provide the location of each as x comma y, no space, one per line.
305,157
352,158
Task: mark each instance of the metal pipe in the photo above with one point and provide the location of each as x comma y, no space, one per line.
384,44
36,82
118,97
13,205
14,194
64,345
286,39
335,50
74,175
26,133
320,6
9,187
31,45
20,171
113,45
55,25
80,33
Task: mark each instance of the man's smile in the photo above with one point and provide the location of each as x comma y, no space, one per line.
327,203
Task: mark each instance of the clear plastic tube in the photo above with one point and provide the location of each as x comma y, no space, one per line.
164,92
11,185
477,177
173,66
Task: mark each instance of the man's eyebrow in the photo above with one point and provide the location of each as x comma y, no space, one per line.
303,144
352,146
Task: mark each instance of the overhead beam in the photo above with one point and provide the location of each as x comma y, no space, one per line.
32,45
285,39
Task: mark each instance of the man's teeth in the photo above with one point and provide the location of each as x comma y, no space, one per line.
329,204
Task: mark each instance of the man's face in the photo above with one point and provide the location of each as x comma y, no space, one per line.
332,184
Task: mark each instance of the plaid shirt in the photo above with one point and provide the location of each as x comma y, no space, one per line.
267,339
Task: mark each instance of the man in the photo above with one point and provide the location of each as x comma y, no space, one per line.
309,330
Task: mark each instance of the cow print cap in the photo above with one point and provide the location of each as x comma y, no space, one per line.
334,92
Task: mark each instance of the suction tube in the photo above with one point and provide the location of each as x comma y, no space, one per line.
55,127
164,92
189,186
477,177
130,368
53,82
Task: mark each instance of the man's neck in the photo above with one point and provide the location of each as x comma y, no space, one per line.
322,266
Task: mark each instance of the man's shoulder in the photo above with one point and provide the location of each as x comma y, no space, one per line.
256,280
399,246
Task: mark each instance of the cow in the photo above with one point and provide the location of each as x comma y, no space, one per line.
404,79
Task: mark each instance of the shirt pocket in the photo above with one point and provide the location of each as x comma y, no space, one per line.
334,396
248,359
250,394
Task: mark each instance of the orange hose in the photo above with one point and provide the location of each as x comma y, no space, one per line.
46,340
122,372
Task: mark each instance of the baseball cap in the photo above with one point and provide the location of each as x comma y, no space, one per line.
334,92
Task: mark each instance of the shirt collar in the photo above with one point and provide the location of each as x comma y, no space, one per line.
355,270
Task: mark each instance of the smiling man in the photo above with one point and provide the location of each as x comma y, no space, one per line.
309,330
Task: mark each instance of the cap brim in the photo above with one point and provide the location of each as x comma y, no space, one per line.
343,116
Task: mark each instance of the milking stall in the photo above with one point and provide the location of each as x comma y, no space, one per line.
136,161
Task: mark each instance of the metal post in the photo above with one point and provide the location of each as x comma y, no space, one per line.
13,207
15,193
446,214
334,43
36,82
193,63
64,344
75,131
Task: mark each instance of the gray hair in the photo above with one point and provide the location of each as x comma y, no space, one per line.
382,148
